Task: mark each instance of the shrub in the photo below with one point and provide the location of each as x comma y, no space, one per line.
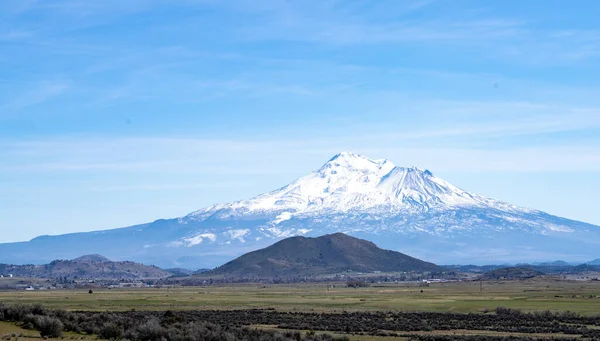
151,331
29,321
90,328
357,284
15,312
49,326
508,311
110,331
38,309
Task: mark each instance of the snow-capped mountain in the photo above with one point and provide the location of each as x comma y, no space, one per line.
350,182
405,209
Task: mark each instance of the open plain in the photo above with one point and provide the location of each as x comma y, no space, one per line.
390,311
461,297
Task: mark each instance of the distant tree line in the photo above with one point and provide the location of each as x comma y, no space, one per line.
368,278
357,284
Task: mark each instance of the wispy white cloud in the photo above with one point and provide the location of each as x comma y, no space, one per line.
249,88
452,89
440,147
353,23
213,185
499,37
36,94
12,8
11,35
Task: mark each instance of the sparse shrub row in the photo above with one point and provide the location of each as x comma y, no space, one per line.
483,338
375,322
142,326
233,325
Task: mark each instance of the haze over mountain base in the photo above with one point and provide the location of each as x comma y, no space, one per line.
404,209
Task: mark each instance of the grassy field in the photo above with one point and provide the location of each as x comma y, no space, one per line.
10,331
581,297
532,295
15,331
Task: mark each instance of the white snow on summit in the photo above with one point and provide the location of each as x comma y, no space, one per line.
398,208
353,193
350,182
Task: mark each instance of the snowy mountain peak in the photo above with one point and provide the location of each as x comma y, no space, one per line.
413,186
402,208
352,182
356,162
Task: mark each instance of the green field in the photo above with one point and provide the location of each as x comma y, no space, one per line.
10,331
535,295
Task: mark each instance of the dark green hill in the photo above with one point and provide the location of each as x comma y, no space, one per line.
510,274
180,272
329,254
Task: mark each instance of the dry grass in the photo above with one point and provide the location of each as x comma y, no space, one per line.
10,331
579,297
406,335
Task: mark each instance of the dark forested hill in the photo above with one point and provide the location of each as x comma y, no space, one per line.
329,254
511,273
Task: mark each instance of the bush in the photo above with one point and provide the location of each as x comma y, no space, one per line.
15,312
508,311
29,321
151,331
38,309
357,284
49,326
110,331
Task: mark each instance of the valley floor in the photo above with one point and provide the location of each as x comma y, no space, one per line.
464,297
483,298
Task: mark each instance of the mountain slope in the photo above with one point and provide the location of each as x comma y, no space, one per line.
399,208
594,262
91,258
86,267
510,273
329,254
350,182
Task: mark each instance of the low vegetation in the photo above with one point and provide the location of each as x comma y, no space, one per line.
357,284
462,311
143,326
231,325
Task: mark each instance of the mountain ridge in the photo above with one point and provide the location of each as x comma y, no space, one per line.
350,181
398,208
88,266
594,262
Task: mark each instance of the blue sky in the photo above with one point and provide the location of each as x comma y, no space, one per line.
114,113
